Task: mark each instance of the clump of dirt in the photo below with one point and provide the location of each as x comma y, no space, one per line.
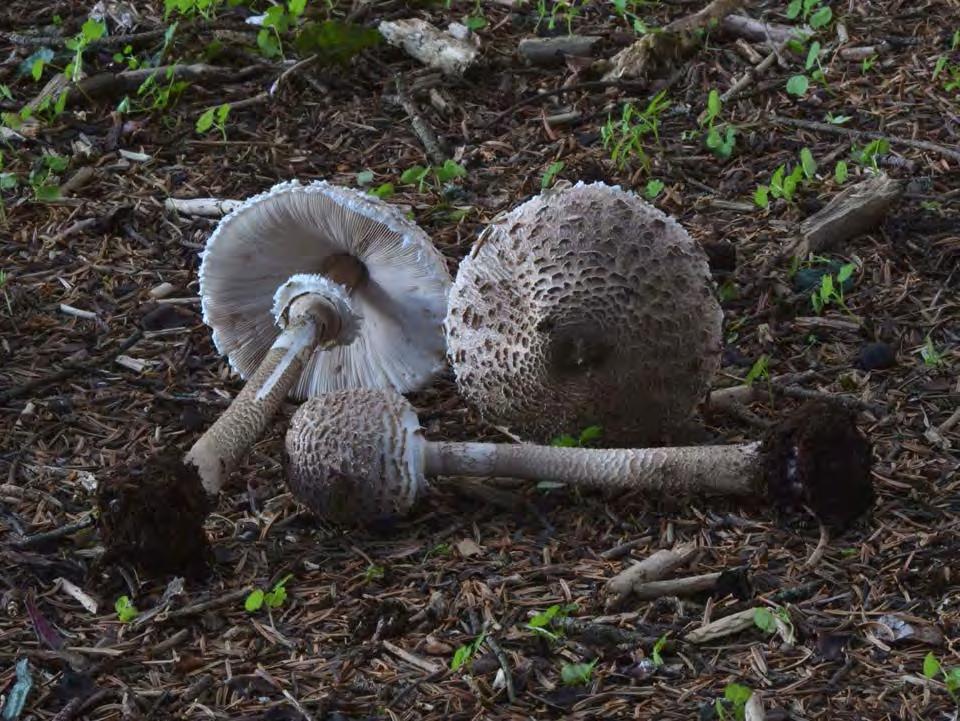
152,514
819,458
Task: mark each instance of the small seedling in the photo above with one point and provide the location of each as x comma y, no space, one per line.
577,674
657,648
125,609
951,678
720,139
869,154
808,164
539,622
624,140
465,653
653,189
420,175
550,174
274,598
830,292
90,31
798,85
373,573
932,358
838,119
734,702
840,172
214,118
760,369
810,11
587,436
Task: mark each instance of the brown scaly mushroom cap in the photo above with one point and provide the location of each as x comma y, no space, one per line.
270,250
585,305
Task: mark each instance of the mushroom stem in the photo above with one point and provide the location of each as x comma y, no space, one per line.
312,321
726,470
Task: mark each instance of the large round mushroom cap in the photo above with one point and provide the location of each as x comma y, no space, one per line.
291,230
355,456
583,306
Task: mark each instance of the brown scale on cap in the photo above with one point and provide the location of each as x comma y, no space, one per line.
585,306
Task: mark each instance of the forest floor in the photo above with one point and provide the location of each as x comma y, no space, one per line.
96,375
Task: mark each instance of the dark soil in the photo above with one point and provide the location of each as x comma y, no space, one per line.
818,458
152,516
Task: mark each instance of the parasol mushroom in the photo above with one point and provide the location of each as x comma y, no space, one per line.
356,456
585,305
315,288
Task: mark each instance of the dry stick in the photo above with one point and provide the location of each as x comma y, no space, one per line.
750,75
821,548
504,664
111,84
852,133
588,85
654,568
38,539
675,586
420,126
201,606
99,362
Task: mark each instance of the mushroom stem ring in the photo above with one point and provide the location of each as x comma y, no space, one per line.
314,318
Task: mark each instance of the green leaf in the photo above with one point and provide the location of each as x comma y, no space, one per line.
760,369
812,54
254,601
576,674
268,43
761,196
364,177
413,175
657,648
450,170
384,190
564,441
297,7
460,657
798,84
545,617
5,92
776,182
278,594
56,163
737,694
550,174
125,609
713,106
475,22
276,17
931,666
840,172
590,434
940,65
764,620
222,112
838,119
205,121
793,9
93,30
654,188
335,41
47,192
843,275
821,18
36,70
8,181
808,164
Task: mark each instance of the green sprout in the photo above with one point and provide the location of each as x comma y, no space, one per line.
273,598
125,609
550,174
465,653
577,674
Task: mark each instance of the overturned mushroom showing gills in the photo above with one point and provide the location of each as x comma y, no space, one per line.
315,288
360,456
585,306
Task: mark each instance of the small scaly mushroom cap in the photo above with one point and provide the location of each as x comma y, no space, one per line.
270,248
585,305
355,456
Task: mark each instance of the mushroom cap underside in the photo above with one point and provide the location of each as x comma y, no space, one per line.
355,456
585,306
293,229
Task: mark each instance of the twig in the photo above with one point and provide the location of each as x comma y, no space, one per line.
64,373
821,548
588,85
201,606
38,539
748,77
623,549
505,665
420,126
852,133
